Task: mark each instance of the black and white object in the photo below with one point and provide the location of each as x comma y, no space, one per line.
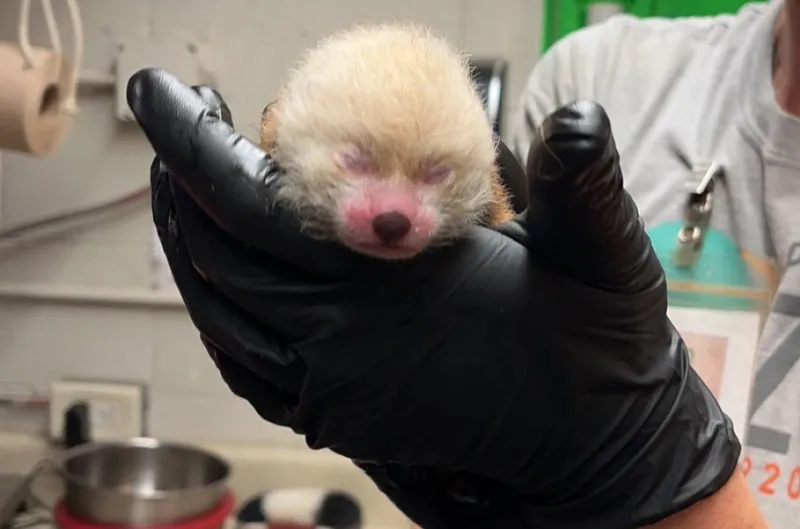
490,77
301,508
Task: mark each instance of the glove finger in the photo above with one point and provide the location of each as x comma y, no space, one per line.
579,215
231,179
513,177
226,325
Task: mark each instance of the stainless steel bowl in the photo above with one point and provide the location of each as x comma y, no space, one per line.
142,482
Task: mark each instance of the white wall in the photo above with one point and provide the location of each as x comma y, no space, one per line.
252,42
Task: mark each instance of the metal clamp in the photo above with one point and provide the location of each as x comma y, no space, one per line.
697,215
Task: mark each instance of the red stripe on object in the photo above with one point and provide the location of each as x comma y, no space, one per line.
213,519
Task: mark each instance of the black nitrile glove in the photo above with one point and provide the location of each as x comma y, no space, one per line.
525,377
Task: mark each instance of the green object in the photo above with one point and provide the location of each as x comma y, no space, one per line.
565,16
719,264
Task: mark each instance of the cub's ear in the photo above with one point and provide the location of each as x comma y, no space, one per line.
268,125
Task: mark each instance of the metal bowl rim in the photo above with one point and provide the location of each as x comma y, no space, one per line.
142,442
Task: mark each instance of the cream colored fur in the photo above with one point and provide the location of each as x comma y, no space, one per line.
404,95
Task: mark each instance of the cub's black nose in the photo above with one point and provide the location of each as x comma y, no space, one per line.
391,226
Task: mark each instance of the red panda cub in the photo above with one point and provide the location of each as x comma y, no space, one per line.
385,143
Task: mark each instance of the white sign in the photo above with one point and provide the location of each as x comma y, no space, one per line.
722,345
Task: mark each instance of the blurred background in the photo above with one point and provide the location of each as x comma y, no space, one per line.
90,328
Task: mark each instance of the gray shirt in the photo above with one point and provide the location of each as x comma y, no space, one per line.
686,92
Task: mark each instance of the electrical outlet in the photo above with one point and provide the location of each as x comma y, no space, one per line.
115,410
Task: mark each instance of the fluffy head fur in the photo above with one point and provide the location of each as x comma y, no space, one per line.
384,121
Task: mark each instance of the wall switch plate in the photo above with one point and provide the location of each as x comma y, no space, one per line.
115,410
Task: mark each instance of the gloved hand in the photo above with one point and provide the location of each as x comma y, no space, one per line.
525,377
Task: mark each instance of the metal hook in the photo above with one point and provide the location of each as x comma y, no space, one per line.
697,216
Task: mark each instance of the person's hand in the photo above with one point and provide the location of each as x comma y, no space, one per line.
526,376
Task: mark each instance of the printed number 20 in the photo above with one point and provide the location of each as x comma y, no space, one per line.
769,480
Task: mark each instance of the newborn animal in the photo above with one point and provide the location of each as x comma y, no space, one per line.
385,143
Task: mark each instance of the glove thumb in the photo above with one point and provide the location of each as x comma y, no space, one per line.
579,216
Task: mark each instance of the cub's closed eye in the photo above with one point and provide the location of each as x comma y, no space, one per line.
435,174
355,161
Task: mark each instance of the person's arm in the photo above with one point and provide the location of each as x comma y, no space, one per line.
732,507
